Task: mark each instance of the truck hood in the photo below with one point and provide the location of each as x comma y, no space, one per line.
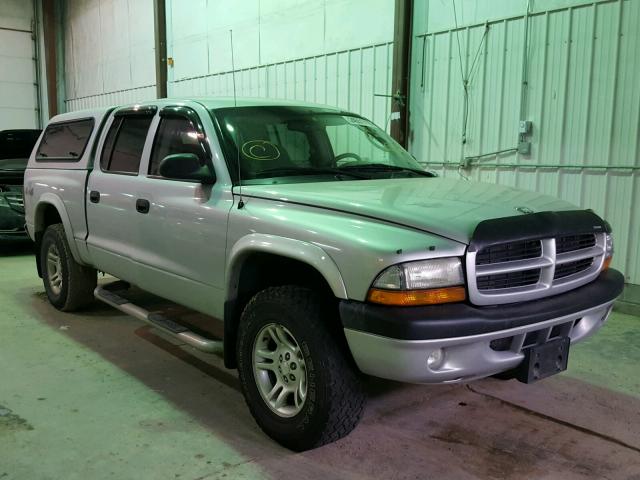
446,207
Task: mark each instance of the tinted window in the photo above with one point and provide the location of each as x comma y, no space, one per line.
17,143
175,135
65,141
123,146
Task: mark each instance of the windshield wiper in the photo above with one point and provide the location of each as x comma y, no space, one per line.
293,171
379,167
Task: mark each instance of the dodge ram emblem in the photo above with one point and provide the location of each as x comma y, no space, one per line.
525,210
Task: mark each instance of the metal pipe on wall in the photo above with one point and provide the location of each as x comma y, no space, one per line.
36,46
401,70
53,31
160,34
50,52
538,166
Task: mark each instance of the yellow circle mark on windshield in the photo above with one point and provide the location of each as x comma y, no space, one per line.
260,150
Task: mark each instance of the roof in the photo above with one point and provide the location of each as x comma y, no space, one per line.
207,102
225,102
77,114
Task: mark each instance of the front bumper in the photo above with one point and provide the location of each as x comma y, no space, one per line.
476,342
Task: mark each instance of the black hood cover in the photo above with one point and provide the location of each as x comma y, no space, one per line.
536,226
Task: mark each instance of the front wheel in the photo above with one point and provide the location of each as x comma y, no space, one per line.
298,381
68,284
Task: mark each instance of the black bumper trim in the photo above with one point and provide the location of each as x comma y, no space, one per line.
461,319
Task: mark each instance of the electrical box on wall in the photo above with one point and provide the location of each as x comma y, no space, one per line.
525,127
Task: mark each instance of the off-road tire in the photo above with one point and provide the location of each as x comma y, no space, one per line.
335,400
78,282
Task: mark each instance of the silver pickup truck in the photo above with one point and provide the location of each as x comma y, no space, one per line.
326,249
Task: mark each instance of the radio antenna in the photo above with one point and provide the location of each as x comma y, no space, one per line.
235,104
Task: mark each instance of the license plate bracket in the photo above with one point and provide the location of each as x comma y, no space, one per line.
542,361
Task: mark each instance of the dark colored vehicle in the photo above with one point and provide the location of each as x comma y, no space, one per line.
15,148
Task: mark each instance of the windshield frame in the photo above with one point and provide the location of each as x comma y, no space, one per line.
230,153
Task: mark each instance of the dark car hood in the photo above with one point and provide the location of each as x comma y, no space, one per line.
13,165
12,170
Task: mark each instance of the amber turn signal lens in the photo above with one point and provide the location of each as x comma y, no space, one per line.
409,298
607,263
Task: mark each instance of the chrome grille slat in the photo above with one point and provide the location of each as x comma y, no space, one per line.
578,255
576,258
513,266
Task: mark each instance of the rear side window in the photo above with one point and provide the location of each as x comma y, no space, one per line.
123,146
65,141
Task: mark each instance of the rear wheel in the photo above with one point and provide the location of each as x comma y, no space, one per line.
299,382
68,284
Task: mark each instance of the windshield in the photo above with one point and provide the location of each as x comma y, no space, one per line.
309,144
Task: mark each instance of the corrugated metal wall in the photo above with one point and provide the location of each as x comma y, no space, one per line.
581,69
294,49
118,97
109,52
346,79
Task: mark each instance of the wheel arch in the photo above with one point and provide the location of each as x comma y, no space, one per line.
258,261
50,210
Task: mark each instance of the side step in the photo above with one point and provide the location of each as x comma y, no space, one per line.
107,294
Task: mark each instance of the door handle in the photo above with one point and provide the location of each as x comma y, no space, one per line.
142,205
94,196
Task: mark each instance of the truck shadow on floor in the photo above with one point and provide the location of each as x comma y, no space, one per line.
16,248
408,431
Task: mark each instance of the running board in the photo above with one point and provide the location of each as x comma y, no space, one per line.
107,295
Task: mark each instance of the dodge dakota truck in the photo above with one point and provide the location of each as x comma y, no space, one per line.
326,249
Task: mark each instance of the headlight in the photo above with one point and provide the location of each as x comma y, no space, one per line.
608,251
420,283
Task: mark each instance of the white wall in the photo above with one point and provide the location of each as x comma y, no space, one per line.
18,92
327,51
337,52
109,52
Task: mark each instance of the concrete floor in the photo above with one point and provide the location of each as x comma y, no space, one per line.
99,395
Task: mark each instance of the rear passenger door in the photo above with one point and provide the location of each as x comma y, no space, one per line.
112,191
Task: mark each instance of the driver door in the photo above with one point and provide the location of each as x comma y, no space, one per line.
182,232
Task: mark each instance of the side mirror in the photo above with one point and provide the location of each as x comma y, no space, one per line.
185,166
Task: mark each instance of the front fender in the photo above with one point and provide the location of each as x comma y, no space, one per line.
39,226
299,250
305,252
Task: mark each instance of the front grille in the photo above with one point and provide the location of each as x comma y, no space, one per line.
566,269
507,252
528,269
569,243
507,280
